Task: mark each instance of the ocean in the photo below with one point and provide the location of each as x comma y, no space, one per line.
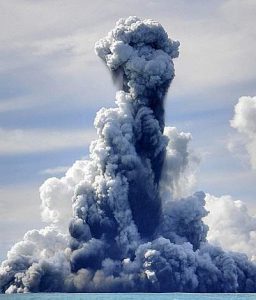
132,296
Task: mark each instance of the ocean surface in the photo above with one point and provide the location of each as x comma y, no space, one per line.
173,296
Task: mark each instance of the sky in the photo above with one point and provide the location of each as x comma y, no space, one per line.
52,84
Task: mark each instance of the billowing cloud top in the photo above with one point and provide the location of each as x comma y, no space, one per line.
127,233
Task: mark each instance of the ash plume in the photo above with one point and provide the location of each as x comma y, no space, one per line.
127,233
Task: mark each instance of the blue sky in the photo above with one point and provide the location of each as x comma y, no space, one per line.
52,84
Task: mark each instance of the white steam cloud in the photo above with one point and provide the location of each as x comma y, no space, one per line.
230,225
244,121
131,225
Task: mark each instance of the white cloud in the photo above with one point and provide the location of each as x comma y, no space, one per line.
244,121
24,141
231,225
56,195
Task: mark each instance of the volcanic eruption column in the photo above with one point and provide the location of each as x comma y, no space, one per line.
125,235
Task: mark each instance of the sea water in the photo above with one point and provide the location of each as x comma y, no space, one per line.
142,296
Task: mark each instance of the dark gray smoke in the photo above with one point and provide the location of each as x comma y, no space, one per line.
126,234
